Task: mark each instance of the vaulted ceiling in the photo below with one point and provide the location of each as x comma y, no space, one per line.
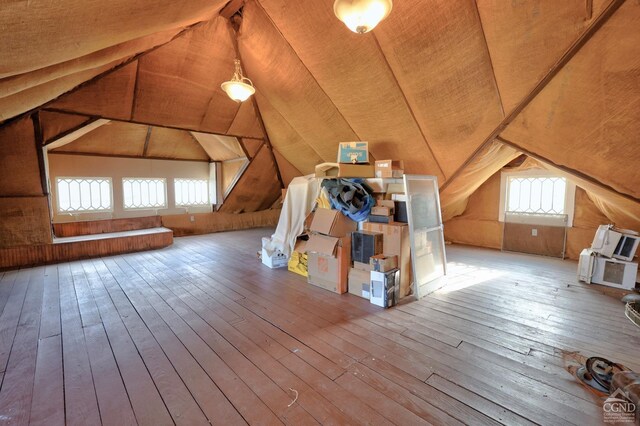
451,87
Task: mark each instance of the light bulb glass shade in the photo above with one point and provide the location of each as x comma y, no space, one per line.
361,16
239,91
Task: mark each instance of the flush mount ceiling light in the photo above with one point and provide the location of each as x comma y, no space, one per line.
239,88
361,16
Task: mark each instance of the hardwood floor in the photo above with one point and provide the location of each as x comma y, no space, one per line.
201,332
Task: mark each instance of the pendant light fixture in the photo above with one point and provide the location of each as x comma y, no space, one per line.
239,88
361,16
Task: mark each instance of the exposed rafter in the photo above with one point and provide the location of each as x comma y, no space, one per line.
76,134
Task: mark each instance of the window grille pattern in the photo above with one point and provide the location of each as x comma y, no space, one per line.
191,192
77,195
536,195
141,193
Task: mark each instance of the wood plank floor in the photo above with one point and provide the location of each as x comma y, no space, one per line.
201,332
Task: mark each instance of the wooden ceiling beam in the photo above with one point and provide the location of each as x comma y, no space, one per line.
569,170
145,123
146,141
231,8
79,132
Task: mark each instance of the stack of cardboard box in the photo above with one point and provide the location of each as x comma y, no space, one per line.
329,250
353,162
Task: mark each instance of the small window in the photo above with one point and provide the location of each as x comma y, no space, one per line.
143,193
192,192
79,195
536,197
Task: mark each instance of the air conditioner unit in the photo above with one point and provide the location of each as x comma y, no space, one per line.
595,269
617,243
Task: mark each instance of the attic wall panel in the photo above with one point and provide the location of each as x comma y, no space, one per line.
24,210
353,73
252,145
37,42
33,97
257,189
443,67
588,117
53,123
287,170
526,38
287,141
19,169
246,122
110,96
179,83
174,144
113,138
291,91
219,148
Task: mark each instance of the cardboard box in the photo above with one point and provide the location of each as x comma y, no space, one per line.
389,168
362,266
380,219
365,244
399,197
400,213
276,260
396,241
332,223
329,264
382,211
299,263
335,170
383,262
385,288
353,152
359,283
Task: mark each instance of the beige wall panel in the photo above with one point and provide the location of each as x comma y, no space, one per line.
24,221
290,89
588,117
353,72
61,165
176,144
246,122
112,138
217,222
38,42
19,169
257,189
110,96
179,83
33,97
54,123
446,77
526,38
287,141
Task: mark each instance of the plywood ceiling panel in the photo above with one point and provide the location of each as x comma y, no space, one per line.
289,143
54,123
588,117
441,61
257,189
113,138
353,72
110,96
252,145
282,79
246,122
179,83
174,144
526,38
